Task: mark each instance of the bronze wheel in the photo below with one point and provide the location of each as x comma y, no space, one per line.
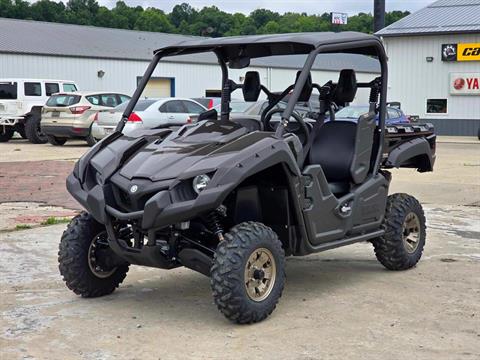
260,274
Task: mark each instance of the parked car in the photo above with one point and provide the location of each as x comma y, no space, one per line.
208,102
21,102
353,112
238,106
69,115
148,114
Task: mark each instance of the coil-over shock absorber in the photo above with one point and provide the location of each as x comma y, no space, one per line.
214,221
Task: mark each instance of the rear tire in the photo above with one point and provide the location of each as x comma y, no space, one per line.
248,273
6,133
56,140
401,247
75,259
33,131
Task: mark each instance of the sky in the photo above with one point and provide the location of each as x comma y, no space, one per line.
309,6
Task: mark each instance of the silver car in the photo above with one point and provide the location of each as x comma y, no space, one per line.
147,114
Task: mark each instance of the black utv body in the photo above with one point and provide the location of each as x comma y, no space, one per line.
231,196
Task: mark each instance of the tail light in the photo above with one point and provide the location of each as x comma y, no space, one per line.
210,104
189,120
77,110
134,118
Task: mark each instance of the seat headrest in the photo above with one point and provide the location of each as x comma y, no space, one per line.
307,88
346,88
251,86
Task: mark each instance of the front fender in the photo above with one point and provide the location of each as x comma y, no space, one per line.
161,211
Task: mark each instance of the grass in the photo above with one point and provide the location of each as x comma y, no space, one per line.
22,227
52,220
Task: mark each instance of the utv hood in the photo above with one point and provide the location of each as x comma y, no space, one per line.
182,150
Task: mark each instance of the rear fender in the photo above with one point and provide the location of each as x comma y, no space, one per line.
416,153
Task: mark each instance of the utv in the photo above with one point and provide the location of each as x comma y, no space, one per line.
232,196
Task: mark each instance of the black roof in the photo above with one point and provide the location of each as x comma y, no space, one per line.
276,44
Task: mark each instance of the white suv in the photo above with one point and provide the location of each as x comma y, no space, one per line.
21,102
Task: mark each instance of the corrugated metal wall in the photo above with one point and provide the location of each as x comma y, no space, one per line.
191,80
412,80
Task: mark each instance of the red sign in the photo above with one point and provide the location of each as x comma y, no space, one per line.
464,83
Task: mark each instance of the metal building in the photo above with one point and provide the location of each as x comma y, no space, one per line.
112,59
434,65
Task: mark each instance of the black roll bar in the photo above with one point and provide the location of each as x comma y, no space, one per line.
138,92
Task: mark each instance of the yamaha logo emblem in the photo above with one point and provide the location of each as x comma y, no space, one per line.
459,83
134,189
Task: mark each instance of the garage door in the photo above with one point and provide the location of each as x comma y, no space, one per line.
157,88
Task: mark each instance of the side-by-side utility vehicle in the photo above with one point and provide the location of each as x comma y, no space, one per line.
232,196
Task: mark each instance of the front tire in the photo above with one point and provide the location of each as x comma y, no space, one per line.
56,141
6,133
248,273
82,248
401,247
33,131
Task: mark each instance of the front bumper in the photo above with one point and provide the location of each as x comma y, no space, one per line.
162,209
65,131
10,120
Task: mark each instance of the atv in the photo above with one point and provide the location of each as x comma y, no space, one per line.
231,196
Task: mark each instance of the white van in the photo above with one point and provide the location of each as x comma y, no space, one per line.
21,102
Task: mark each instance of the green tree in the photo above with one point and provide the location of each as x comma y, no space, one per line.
6,8
271,27
262,16
184,19
394,16
211,21
47,10
82,11
21,9
153,20
182,12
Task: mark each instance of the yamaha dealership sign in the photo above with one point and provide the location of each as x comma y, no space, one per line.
465,83
461,52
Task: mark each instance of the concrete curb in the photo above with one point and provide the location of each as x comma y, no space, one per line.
458,139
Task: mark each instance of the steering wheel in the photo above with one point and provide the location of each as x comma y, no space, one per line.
302,125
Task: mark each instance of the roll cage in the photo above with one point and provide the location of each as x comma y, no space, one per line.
236,52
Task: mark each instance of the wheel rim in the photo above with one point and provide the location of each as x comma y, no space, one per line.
99,242
411,232
260,274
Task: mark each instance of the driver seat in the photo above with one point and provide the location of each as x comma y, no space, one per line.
335,146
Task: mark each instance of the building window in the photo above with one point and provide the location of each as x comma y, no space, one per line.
32,89
436,106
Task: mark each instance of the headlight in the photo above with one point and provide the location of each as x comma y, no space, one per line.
200,182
